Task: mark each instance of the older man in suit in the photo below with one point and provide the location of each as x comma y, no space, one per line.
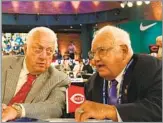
30,86
127,86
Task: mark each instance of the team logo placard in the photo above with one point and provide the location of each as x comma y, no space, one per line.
74,98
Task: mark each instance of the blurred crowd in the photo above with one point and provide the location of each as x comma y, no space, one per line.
12,43
75,68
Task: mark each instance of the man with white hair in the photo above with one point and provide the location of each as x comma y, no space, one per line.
30,86
126,86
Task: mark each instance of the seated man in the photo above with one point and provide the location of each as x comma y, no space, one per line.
129,85
30,86
78,68
87,68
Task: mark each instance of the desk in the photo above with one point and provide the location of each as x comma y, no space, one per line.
73,120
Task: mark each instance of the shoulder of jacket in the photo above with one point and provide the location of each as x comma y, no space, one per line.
56,73
147,60
9,59
93,78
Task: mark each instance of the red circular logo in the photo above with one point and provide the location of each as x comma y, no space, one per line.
77,98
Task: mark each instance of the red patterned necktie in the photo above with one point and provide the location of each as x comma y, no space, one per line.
23,92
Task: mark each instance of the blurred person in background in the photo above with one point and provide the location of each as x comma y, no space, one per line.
159,43
71,50
16,48
66,66
78,68
87,68
8,48
71,64
126,86
30,86
19,40
59,55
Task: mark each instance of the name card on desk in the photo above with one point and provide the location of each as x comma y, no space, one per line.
74,98
76,80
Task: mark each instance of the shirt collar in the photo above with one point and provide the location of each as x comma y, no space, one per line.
120,76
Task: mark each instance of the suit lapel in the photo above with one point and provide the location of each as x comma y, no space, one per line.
127,80
12,80
98,91
38,84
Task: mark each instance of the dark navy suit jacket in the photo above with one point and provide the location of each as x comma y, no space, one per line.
141,90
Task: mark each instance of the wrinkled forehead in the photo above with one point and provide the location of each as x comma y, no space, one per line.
41,35
103,39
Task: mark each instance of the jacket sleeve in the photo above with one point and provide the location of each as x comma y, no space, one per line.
52,107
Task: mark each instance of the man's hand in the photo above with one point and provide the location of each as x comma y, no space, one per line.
98,111
4,106
9,113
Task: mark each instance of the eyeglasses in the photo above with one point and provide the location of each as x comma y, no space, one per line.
101,52
39,50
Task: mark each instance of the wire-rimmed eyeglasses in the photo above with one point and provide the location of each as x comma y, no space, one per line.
100,51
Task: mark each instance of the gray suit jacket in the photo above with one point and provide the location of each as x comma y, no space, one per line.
46,98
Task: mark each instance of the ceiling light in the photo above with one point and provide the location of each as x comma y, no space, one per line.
139,3
129,4
147,2
75,4
122,5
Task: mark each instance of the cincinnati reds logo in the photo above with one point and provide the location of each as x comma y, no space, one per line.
77,98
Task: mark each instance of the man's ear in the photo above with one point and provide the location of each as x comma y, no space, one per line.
125,50
25,48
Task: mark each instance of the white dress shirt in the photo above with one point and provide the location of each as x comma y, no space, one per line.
22,77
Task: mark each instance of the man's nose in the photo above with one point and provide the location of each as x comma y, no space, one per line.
96,56
43,54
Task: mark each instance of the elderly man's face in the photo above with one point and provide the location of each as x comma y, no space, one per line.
107,57
39,53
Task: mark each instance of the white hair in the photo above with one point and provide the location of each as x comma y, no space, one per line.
159,38
43,30
120,36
